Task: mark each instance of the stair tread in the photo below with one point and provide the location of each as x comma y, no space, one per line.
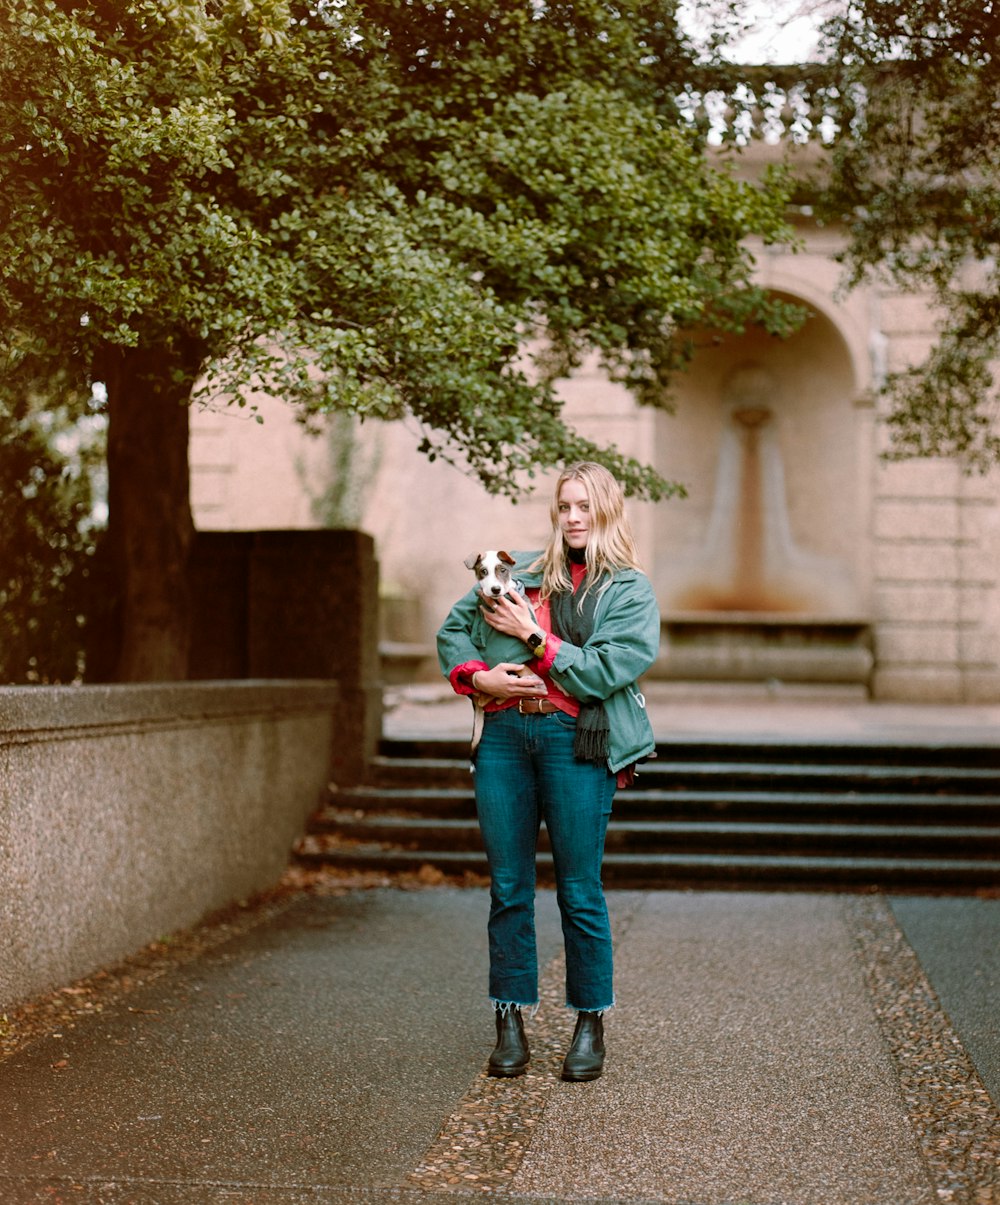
656,794
830,770
390,821
756,766
347,853
803,742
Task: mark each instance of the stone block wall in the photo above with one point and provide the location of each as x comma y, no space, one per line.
294,605
935,538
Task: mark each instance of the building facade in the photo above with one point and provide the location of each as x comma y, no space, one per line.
798,555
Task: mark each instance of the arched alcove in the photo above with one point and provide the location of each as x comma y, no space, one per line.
764,555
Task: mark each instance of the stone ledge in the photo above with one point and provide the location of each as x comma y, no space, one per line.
765,620
760,646
31,712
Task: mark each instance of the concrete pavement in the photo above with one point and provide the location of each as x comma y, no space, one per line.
768,1049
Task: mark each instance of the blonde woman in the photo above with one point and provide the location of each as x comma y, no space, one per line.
557,741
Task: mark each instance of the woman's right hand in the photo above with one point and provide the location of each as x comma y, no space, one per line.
508,680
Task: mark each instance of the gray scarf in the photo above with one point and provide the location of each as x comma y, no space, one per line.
575,623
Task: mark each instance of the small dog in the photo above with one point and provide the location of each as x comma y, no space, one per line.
492,570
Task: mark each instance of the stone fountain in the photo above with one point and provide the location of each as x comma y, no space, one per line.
752,603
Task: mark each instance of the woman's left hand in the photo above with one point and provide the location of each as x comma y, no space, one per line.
511,615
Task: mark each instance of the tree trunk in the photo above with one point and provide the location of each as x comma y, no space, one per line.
150,528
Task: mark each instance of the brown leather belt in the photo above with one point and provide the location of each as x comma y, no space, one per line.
536,707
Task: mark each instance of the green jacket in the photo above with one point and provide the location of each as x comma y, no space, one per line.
624,644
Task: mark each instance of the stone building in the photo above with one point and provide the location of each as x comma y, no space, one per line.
799,556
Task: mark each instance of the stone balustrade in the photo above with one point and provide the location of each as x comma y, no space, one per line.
772,105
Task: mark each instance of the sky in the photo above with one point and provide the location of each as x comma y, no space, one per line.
783,32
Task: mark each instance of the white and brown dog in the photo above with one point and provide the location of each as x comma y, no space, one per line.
492,570
494,580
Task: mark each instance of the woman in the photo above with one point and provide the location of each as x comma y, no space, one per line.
558,738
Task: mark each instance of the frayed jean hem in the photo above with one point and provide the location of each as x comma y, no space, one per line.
601,1012
505,1006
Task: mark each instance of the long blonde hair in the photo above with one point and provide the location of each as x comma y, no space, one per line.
610,545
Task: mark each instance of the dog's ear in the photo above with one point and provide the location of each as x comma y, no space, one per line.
506,558
471,561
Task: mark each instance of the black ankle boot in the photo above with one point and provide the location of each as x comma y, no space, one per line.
510,1057
585,1059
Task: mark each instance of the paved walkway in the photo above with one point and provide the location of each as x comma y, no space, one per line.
769,1048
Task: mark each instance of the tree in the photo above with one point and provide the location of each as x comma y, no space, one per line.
370,208
47,545
916,180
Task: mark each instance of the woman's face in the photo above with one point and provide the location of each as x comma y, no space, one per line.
574,513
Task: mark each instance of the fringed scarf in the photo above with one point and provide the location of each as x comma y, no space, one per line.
573,620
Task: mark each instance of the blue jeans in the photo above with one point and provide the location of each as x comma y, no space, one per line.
526,773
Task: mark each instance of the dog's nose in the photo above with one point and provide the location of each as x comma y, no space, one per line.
495,590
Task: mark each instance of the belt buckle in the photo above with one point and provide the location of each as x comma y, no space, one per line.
520,706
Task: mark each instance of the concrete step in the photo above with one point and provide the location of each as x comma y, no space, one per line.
947,777
745,748
781,813
709,804
410,831
702,871
742,776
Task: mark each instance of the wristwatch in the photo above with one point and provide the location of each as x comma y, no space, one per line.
536,642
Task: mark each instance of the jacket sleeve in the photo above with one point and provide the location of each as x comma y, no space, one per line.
624,645
455,644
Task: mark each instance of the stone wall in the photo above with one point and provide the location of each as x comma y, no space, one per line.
127,812
294,605
935,542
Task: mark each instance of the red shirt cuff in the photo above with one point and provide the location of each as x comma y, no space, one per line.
542,665
461,676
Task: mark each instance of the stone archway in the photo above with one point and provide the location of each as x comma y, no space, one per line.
760,571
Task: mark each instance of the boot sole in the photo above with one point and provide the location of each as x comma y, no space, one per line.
582,1077
506,1072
